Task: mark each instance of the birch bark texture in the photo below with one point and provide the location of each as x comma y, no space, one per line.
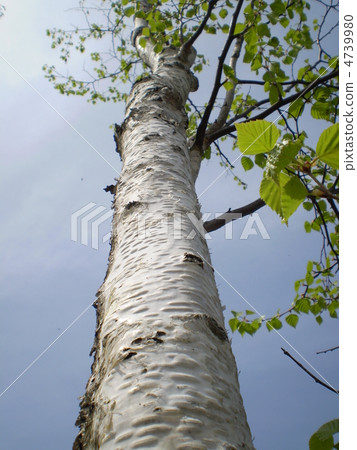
163,376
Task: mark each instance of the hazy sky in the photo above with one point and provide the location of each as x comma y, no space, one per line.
48,172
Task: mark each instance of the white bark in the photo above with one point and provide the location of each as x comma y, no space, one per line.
164,376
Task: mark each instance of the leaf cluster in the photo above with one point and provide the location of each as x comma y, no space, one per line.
291,178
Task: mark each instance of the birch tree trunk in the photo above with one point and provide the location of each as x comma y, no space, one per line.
164,375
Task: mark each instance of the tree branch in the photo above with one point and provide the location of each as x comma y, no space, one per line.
146,54
201,130
324,226
188,44
229,129
245,113
227,104
328,350
323,188
283,83
230,215
224,158
327,386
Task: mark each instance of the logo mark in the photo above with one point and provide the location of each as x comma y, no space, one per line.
83,225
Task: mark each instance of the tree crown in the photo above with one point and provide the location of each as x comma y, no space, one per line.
272,62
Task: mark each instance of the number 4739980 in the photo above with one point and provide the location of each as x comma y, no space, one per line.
348,40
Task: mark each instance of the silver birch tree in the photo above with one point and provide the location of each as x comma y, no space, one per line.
164,375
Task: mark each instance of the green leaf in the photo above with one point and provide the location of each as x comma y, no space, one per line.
237,314
263,30
274,324
296,108
258,136
283,194
228,85
254,326
210,29
247,163
322,205
273,42
309,266
207,153
142,42
223,13
273,18
270,192
233,323
251,37
288,60
308,205
198,67
322,439
315,226
281,156
332,308
249,55
307,226
257,62
322,94
284,22
320,110
278,7
327,146
309,279
273,94
239,28
293,194
292,320
260,160
158,47
269,77
319,320
229,72
128,12
302,305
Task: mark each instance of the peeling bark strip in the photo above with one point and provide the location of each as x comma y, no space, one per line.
163,376
189,257
117,138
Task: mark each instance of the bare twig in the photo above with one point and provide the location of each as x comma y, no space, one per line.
327,386
224,158
230,215
328,350
324,226
188,44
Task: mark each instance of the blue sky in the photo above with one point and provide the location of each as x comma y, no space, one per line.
48,172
